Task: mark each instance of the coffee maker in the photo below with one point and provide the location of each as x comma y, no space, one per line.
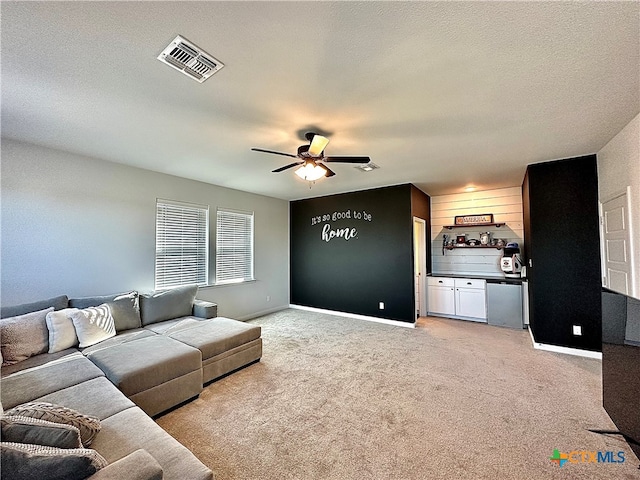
511,261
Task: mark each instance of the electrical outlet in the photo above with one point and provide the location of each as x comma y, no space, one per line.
381,305
268,298
577,330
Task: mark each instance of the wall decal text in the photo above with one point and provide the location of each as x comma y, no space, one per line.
347,233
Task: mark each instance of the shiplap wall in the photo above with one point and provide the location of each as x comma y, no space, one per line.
506,206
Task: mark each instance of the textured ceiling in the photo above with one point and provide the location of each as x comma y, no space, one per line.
439,94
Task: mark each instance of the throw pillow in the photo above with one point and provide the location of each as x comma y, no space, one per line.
24,336
39,432
126,311
167,304
93,324
89,426
125,308
25,461
62,333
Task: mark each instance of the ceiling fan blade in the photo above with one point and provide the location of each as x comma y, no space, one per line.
330,173
282,169
318,145
347,159
271,151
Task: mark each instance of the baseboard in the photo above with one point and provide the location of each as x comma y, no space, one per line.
261,313
395,323
566,350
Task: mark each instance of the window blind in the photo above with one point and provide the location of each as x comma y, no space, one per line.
182,244
234,246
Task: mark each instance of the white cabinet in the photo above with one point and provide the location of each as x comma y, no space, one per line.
463,298
441,296
471,298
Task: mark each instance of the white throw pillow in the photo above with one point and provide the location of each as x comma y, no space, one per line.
93,324
62,333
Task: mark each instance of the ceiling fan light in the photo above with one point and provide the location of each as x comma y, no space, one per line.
311,172
317,145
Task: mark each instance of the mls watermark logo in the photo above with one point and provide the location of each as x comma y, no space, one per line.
585,456
559,458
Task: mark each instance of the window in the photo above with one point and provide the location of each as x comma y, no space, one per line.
234,246
182,244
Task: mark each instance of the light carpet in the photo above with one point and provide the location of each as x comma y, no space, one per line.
340,398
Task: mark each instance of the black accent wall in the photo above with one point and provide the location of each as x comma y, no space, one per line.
561,226
351,251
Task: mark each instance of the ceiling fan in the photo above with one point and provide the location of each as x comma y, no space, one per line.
312,159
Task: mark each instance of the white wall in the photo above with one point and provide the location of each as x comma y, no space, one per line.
506,206
619,167
80,226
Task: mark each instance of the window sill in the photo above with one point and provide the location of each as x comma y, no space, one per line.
230,284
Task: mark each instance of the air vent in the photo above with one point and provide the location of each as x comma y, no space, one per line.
189,59
367,167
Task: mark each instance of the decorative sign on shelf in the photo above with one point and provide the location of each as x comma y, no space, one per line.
473,219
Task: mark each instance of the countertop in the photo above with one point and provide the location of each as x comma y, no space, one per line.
488,278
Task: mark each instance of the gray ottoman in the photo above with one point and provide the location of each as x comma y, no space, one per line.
154,371
225,344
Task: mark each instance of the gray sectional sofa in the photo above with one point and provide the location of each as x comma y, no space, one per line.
165,347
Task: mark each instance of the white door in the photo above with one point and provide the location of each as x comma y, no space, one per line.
420,265
616,245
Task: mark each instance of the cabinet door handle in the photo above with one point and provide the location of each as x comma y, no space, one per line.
469,283
439,281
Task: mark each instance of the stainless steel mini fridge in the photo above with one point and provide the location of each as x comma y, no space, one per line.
504,304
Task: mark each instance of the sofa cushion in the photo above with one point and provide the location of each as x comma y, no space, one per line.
62,333
58,303
27,461
93,324
86,302
211,336
145,363
36,361
97,397
139,465
119,339
167,304
125,308
63,370
167,327
204,309
39,432
24,336
87,425
132,429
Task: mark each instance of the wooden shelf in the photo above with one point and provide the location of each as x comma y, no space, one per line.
451,247
473,225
